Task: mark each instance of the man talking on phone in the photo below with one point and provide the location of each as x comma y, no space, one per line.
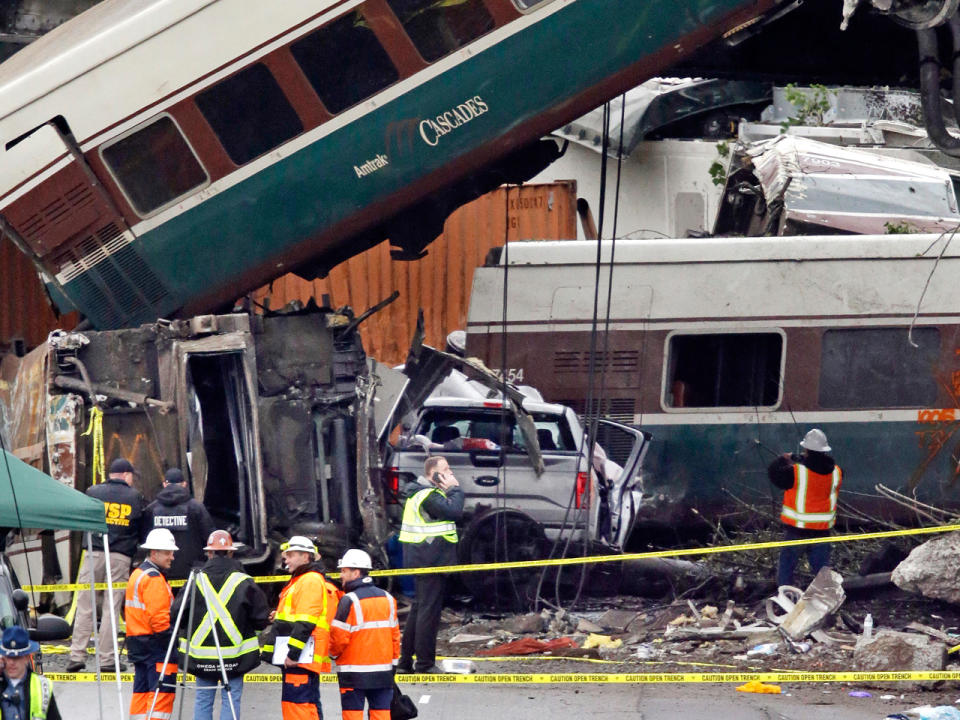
428,532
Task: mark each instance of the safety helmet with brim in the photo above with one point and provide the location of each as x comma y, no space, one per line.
356,559
160,539
298,543
815,440
222,540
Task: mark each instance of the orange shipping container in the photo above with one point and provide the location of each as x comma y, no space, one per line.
440,283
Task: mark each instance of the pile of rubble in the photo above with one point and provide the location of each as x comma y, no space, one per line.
794,630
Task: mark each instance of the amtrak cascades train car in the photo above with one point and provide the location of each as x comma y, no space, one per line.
162,157
727,350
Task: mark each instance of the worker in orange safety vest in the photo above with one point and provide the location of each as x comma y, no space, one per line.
301,631
364,640
811,482
147,614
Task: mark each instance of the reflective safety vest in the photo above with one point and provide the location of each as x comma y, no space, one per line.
414,528
41,691
147,603
812,501
305,604
367,640
234,648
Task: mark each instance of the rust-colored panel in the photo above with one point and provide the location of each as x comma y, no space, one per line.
25,312
58,210
392,36
202,139
297,88
502,11
441,282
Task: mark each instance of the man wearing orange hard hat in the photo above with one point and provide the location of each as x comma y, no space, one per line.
229,609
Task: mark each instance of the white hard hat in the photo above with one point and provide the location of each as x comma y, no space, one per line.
160,539
815,440
356,559
298,543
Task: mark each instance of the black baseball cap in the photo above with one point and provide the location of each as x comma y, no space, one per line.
174,475
121,465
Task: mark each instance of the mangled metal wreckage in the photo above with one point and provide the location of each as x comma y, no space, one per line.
279,421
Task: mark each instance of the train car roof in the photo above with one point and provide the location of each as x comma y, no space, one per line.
730,249
105,31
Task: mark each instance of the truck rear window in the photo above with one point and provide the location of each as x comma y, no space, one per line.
446,424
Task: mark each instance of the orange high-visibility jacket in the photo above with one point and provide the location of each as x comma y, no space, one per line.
306,607
811,503
365,636
147,604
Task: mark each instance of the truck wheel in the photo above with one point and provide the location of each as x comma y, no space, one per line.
502,535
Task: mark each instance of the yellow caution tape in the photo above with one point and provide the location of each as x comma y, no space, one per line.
559,562
595,678
95,428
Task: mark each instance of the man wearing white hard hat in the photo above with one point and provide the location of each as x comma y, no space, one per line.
811,482
147,612
227,601
301,629
364,640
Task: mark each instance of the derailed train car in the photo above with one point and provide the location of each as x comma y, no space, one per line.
260,412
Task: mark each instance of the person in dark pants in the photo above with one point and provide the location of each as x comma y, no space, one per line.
177,511
811,482
428,533
124,509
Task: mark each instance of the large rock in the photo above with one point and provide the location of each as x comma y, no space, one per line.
931,569
891,651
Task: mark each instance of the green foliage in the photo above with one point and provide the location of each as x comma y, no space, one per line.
718,170
901,228
811,105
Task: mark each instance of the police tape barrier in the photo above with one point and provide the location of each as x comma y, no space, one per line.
594,678
561,562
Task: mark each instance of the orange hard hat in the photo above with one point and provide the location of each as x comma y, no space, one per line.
220,540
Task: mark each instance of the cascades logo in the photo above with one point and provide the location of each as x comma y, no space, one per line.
432,129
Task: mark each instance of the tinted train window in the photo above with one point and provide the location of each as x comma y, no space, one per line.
249,113
877,367
438,27
724,370
154,165
344,62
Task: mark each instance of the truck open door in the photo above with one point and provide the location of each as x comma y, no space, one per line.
622,447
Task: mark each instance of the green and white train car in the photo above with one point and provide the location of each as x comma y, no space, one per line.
727,350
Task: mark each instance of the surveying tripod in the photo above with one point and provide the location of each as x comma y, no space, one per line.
191,588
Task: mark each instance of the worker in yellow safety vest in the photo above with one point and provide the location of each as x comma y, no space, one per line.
301,631
229,608
24,695
428,532
811,483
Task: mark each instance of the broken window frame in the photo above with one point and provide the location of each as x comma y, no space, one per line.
669,370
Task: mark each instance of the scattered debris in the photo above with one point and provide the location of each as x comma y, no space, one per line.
529,646
822,598
763,649
755,686
459,666
601,641
617,620
469,638
928,712
859,693
523,624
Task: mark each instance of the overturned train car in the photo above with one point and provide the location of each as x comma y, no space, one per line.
260,412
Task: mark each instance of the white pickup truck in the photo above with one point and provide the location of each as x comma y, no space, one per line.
488,448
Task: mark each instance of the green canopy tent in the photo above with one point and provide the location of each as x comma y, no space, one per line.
42,501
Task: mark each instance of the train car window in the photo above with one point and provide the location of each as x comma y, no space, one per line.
724,370
344,62
877,368
249,113
154,165
438,27
528,4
